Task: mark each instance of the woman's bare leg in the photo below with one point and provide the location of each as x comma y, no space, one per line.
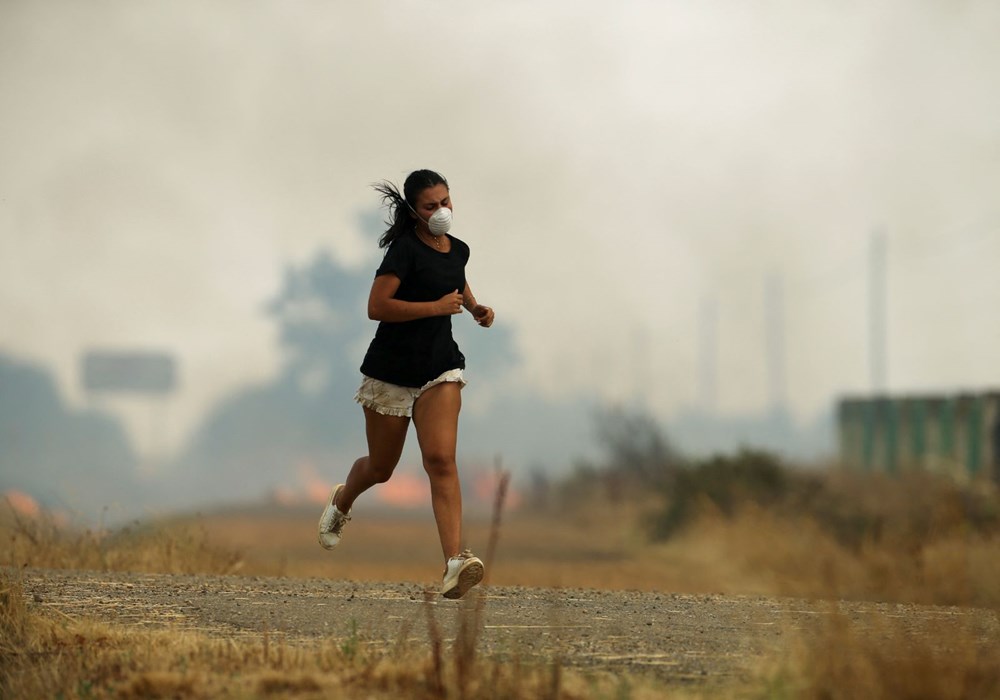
386,435
435,416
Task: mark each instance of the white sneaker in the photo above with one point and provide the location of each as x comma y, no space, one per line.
461,573
332,522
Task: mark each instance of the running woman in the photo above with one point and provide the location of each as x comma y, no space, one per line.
413,369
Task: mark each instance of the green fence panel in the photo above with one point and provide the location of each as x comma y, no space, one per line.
973,459
891,418
918,431
948,428
868,436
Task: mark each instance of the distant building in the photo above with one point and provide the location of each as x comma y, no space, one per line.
957,435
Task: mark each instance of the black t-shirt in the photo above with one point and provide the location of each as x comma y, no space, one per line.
411,353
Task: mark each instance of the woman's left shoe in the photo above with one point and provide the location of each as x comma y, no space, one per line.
332,521
461,573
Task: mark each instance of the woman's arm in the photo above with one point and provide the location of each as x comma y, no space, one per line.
383,307
483,314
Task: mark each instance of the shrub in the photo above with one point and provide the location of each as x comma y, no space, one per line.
905,512
724,484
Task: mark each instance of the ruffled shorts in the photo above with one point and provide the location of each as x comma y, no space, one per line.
393,400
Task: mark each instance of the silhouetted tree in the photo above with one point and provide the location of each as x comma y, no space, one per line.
637,448
81,460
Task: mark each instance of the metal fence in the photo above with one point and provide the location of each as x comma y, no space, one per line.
957,435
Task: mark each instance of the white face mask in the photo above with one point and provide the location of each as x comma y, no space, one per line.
440,221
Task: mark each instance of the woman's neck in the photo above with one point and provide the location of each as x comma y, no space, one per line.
439,243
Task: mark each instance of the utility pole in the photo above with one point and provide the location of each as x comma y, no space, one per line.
877,312
708,353
774,338
641,370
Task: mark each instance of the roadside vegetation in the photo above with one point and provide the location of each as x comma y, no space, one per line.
779,529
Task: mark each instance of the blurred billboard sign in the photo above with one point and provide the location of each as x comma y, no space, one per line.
135,372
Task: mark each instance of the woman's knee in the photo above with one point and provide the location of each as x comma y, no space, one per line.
440,464
380,472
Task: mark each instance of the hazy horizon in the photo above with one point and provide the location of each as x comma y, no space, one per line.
613,167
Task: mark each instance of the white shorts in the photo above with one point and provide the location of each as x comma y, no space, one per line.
393,400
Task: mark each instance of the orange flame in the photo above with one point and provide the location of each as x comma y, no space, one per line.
484,486
405,491
22,503
316,488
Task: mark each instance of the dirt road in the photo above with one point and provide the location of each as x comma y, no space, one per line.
677,637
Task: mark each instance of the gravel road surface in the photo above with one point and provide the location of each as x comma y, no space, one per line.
678,637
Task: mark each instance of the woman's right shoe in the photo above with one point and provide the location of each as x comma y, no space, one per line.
332,521
461,573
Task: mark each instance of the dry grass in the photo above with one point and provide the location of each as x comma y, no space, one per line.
887,661
170,548
759,552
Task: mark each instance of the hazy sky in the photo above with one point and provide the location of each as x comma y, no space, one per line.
612,166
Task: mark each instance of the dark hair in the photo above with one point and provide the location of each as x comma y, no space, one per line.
400,205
